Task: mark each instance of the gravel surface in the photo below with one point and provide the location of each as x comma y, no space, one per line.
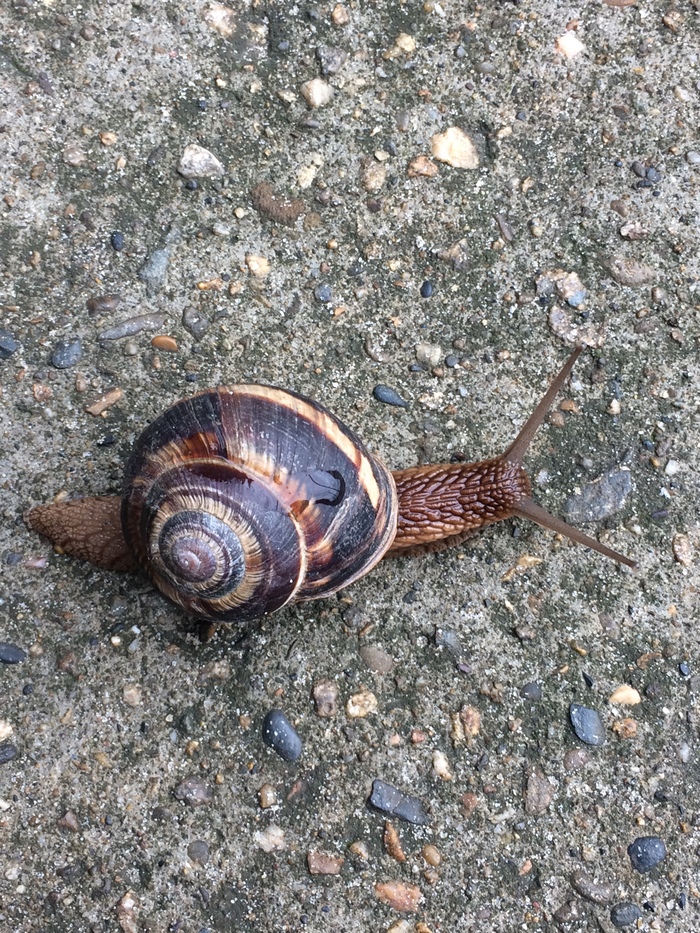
410,213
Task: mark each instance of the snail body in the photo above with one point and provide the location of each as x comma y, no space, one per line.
245,498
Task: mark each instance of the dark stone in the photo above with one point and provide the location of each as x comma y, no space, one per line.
331,59
426,289
646,852
684,668
8,751
388,396
281,736
117,241
390,800
198,851
195,322
323,293
67,353
600,499
587,724
624,914
11,654
653,175
102,304
8,344
531,691
194,792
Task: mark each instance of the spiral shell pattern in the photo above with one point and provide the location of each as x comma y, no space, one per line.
246,497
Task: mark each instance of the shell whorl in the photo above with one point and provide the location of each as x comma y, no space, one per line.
244,498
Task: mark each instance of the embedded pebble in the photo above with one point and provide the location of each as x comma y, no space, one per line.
539,792
600,498
624,914
392,842
8,752
693,157
198,162
281,736
561,323
646,852
587,724
388,396
69,822
372,175
391,801
195,322
683,550
198,852
132,326
154,271
320,863
598,892
426,289
331,59
6,730
361,704
271,839
164,342
275,206
377,660
258,266
429,353
325,696
323,293
221,19
629,271
104,401
194,792
569,45
441,766
531,691
117,240
102,303
422,166
267,796
11,654
399,895
8,344
456,148
316,92
625,696
67,353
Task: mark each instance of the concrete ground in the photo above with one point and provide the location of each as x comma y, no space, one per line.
441,199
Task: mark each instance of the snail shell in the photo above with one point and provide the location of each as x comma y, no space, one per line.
246,497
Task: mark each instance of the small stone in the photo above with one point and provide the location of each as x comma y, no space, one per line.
11,654
74,155
276,207
194,792
377,660
576,758
625,728
198,852
426,289
8,752
684,669
195,322
165,343
624,914
587,724
561,323
629,271
672,468
531,691
320,863
372,175
67,353
455,148
569,45
429,354
598,892
359,848
316,92
470,719
279,734
104,402
154,271
101,304
361,704
132,694
267,796
646,852
8,344
539,792
258,266
399,895
221,19
198,162
601,498
69,822
388,396
323,293
441,766
271,839
132,326
117,240
325,696
340,15
127,915
392,842
391,801
421,166
469,803
432,855
6,730
625,696
683,550
331,59
693,157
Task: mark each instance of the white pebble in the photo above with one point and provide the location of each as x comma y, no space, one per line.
455,148
316,92
569,45
271,839
198,162
672,467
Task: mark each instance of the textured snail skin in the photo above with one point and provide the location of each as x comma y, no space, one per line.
244,498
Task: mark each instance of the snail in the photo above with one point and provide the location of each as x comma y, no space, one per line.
245,498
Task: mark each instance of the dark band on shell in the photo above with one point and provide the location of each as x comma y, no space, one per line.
293,507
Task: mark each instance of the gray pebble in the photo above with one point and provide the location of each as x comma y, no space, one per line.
8,344
102,304
600,499
390,800
331,59
653,175
281,736
388,396
8,751
624,914
587,724
693,157
639,168
67,353
194,792
198,851
323,293
646,852
11,654
195,322
446,638
133,325
598,892
531,691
